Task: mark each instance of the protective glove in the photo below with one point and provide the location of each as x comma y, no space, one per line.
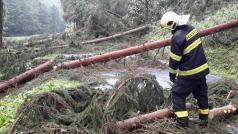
172,77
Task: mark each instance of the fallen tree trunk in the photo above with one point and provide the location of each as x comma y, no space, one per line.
141,48
116,35
30,44
114,55
28,75
57,47
33,41
222,111
168,113
146,118
125,52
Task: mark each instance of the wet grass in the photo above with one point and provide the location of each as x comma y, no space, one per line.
10,104
49,56
223,61
1,76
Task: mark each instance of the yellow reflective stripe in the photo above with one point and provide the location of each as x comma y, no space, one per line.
193,71
171,70
175,57
191,34
203,111
181,114
192,46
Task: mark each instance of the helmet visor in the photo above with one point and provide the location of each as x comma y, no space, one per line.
170,25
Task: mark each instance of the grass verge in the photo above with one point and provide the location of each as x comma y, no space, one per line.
17,38
223,61
11,103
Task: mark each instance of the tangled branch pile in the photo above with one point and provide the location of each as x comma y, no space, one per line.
223,93
83,110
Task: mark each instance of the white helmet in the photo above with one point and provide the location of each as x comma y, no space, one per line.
170,20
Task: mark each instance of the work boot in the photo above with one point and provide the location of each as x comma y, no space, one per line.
203,116
203,123
203,120
182,122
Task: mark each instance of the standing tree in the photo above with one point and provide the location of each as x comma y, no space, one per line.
29,17
56,19
1,22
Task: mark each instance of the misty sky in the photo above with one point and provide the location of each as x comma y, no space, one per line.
52,2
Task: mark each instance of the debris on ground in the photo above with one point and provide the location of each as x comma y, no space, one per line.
88,110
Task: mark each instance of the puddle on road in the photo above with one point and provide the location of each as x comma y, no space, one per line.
162,76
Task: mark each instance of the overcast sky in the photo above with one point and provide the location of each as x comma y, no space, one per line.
52,2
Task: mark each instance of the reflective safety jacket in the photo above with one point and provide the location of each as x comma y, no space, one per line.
187,58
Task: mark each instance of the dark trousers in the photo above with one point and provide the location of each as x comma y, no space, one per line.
180,91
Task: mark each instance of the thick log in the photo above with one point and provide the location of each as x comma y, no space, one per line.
114,55
222,111
57,47
219,28
37,42
168,113
141,48
146,118
28,75
116,35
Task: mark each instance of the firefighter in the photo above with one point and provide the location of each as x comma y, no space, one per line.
188,67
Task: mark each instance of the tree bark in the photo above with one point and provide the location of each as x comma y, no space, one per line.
1,23
222,111
168,113
28,75
147,10
146,118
